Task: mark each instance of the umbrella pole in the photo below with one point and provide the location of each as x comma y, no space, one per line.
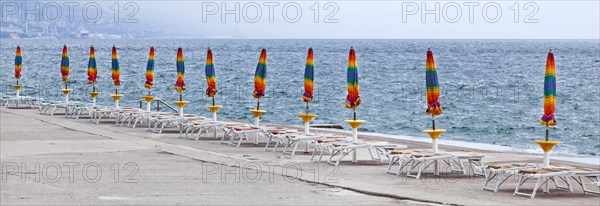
93,93
547,131
433,121
354,114
17,91
258,104
213,101
306,107
180,96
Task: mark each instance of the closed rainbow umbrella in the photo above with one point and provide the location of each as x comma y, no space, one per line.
92,71
116,71
309,71
180,84
433,89
260,78
150,71
353,97
64,66
211,79
549,93
18,64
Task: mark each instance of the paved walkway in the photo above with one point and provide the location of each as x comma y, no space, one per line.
56,160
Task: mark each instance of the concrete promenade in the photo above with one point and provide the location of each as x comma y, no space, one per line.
57,160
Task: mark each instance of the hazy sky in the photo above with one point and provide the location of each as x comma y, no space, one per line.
505,19
379,19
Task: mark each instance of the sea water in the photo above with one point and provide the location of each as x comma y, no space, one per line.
491,90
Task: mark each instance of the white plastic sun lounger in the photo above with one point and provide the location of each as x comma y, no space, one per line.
160,122
294,140
554,174
110,112
144,116
85,109
50,108
325,145
341,150
276,137
500,172
579,175
75,109
474,160
199,127
542,177
420,160
31,102
240,133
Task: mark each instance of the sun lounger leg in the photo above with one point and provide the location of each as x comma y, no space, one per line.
391,162
488,176
331,156
181,128
277,145
343,154
501,180
557,180
267,146
241,139
295,147
225,134
538,183
421,168
579,180
286,146
410,169
403,163
520,181
547,186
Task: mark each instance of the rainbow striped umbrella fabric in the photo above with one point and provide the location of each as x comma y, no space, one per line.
150,70
64,64
116,71
260,76
92,71
180,84
549,92
353,98
18,63
211,79
309,72
433,88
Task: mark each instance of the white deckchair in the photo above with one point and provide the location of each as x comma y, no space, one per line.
325,145
542,177
502,172
240,133
200,127
276,137
162,121
294,140
593,175
341,150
